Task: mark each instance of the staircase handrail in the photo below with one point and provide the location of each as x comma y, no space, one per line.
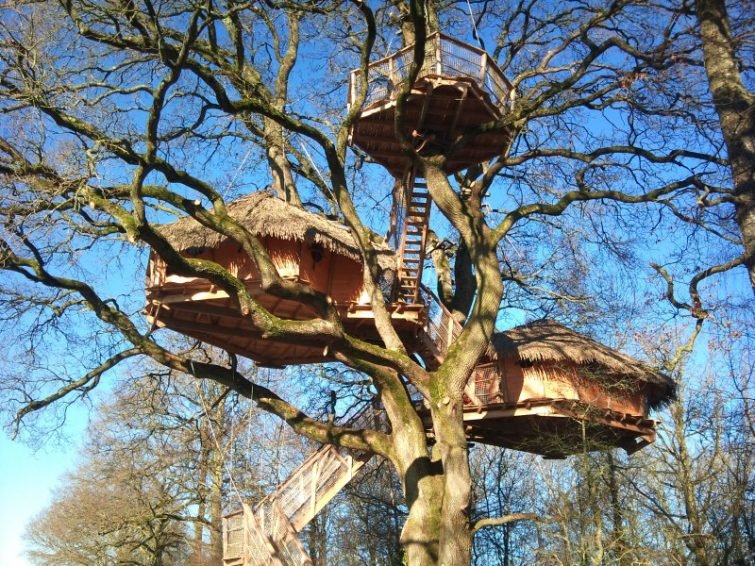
362,418
355,421
442,329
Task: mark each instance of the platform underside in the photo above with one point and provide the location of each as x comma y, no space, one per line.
209,315
440,110
556,428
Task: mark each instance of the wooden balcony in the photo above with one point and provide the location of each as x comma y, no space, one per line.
458,88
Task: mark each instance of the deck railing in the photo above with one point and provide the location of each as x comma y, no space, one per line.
441,327
444,56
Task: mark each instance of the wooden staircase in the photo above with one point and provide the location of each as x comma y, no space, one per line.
413,237
268,534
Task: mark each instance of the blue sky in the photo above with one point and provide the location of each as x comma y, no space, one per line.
28,477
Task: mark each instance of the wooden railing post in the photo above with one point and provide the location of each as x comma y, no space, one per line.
450,332
315,483
438,55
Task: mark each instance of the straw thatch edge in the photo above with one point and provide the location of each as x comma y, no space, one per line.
550,341
264,214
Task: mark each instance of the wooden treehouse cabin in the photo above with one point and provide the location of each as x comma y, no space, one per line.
545,389
540,387
303,246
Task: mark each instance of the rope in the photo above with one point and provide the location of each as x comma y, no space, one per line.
475,34
237,171
214,437
319,174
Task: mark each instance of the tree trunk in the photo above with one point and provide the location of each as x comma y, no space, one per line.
199,525
735,106
455,531
216,509
622,557
695,541
420,537
283,181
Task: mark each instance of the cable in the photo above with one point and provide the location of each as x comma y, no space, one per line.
319,174
475,34
215,440
238,169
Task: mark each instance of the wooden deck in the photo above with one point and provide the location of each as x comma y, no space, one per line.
458,89
208,314
556,428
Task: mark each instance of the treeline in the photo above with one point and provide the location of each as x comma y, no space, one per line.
166,457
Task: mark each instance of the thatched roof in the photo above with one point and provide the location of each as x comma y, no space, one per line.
264,214
550,341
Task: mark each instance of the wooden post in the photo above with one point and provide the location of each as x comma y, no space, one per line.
450,331
438,62
315,481
225,536
392,82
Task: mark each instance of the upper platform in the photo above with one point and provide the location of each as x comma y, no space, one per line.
457,89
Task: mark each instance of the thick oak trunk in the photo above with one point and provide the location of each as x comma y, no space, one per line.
735,106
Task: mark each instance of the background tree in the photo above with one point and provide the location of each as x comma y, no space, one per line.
153,481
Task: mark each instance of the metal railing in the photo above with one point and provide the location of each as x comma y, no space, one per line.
445,57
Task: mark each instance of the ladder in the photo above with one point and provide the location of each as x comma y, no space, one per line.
413,237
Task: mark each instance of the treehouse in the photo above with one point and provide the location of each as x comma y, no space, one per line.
304,247
540,388
545,389
457,89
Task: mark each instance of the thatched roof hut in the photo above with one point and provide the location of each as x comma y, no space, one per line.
264,214
547,341
304,247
